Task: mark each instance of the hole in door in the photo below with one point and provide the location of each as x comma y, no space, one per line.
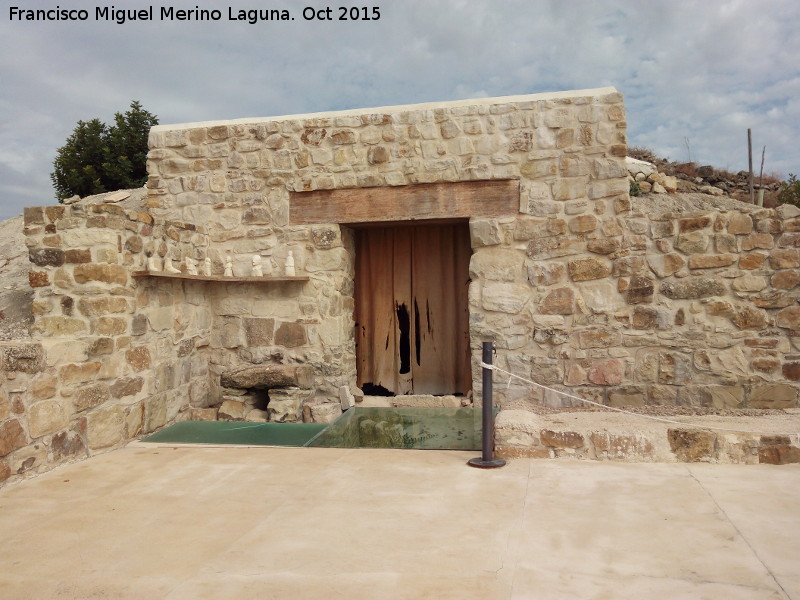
411,311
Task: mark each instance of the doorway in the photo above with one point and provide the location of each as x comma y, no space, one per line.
411,310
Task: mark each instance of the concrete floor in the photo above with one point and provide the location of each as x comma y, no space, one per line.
149,522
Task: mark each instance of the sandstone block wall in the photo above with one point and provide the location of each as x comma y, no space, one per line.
237,178
632,309
577,290
116,357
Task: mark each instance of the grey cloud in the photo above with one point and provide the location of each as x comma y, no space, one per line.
702,71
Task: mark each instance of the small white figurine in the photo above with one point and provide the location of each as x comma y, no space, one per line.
290,272
191,266
228,267
256,270
207,267
153,264
169,267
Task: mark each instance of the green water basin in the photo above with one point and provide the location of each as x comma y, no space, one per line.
367,427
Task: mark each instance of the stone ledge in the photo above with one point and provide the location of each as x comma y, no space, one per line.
592,435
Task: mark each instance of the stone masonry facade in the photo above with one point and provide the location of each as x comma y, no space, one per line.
578,291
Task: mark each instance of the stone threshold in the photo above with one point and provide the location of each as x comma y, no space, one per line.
631,438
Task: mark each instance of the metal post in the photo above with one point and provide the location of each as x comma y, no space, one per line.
750,163
487,460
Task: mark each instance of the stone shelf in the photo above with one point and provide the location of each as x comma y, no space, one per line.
221,278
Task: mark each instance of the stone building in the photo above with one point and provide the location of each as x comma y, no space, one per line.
416,233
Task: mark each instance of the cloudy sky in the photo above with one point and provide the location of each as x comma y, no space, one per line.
695,75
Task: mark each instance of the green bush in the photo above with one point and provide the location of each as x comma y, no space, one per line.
635,189
789,192
97,158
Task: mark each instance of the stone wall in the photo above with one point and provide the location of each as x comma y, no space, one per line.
116,357
695,309
577,290
567,150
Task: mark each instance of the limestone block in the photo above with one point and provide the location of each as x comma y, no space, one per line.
89,396
773,395
779,454
291,335
105,427
725,396
286,405
640,290
546,273
772,299
47,417
21,357
505,297
325,413
606,372
645,317
764,241
12,437
79,373
748,317
784,258
105,273
583,224
692,445
569,188
346,397
599,339
269,377
561,439
600,297
126,386
560,301
59,326
749,283
711,261
692,288
231,410
726,243
739,223
64,351
138,357
258,331
484,232
585,269
66,445
626,396
495,264
693,242
203,414
603,245
552,247
789,318
786,280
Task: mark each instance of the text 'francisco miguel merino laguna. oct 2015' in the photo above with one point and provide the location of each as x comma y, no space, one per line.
171,13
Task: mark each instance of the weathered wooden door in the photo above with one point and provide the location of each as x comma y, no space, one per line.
411,313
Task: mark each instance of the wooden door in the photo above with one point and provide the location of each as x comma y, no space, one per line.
411,313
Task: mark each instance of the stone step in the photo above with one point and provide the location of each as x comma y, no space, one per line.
593,435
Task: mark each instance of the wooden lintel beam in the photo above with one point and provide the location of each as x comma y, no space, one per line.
405,203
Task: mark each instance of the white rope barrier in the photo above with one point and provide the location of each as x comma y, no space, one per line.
627,412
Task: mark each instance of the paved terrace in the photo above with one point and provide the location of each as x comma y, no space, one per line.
148,522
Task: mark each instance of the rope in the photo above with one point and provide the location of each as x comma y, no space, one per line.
627,412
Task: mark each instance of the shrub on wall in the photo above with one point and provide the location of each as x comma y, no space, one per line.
99,158
789,192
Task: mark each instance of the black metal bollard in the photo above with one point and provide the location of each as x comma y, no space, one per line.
487,460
